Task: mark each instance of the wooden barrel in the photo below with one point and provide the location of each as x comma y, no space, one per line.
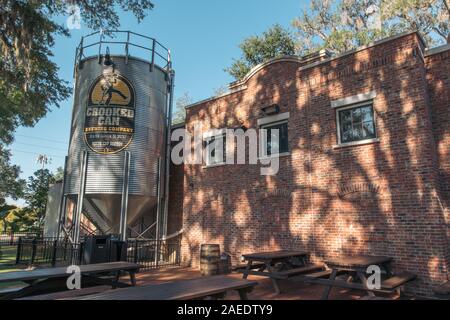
209,259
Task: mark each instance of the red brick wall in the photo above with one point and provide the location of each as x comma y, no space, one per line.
438,77
176,182
379,198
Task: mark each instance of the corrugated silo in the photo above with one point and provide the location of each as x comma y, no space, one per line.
116,162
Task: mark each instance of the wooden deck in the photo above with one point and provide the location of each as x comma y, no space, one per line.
263,291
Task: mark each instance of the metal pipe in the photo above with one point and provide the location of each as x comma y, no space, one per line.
77,217
100,48
62,204
126,48
153,56
124,202
167,152
158,213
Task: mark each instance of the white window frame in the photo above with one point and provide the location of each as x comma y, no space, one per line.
338,124
207,136
263,138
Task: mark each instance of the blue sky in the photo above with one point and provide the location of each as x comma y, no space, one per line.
203,36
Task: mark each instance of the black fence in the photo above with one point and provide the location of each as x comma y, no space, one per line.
48,251
153,254
12,238
150,254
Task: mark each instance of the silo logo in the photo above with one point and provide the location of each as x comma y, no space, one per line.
109,120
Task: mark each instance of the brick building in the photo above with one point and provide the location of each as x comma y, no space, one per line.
364,161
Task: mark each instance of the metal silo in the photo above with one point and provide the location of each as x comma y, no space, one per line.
116,167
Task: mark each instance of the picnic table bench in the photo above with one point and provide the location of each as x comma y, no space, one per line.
278,265
443,291
214,287
355,267
54,279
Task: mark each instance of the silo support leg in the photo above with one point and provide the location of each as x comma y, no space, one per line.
124,202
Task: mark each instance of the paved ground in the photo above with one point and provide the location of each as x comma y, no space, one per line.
263,291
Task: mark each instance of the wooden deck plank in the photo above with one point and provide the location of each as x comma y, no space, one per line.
443,289
177,290
69,293
48,273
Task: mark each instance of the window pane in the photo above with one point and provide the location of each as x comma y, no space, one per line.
282,144
213,144
369,130
366,114
346,117
356,124
357,132
356,115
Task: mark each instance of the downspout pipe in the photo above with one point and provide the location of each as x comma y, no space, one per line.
167,152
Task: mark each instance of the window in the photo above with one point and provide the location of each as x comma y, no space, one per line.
356,123
269,145
215,150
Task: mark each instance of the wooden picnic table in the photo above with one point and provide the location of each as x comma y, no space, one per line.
214,287
277,265
355,265
54,279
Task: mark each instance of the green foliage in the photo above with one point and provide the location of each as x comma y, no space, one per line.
29,82
273,43
10,184
179,113
5,211
342,25
23,220
59,174
36,194
31,217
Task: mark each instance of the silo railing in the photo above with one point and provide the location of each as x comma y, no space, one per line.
122,43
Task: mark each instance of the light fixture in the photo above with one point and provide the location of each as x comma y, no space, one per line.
107,62
272,109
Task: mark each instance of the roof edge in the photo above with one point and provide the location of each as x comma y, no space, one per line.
239,85
436,50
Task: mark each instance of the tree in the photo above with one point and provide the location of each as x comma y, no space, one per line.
24,220
273,43
342,25
5,210
29,83
220,91
59,174
179,113
430,17
10,184
36,194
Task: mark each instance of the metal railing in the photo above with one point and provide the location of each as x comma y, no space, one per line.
48,251
12,238
123,42
150,254
153,254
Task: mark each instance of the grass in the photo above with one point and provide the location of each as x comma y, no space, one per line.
7,255
7,264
